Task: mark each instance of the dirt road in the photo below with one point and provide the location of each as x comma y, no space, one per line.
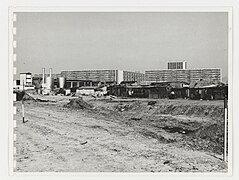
108,138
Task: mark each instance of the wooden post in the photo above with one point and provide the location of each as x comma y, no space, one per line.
225,130
23,112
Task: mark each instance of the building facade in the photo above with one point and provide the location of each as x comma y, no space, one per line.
210,74
133,76
26,79
94,77
91,75
39,76
177,65
24,82
187,75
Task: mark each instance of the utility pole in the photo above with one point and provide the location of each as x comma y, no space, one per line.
23,113
225,128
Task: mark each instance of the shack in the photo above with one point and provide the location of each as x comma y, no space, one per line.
117,90
180,88
139,91
209,92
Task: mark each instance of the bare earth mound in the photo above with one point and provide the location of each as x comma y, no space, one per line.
78,103
198,125
119,136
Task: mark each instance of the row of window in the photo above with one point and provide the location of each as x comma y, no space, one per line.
176,65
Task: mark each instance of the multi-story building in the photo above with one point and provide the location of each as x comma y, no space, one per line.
177,65
177,71
24,83
167,75
133,76
91,75
26,79
94,77
187,75
208,74
39,76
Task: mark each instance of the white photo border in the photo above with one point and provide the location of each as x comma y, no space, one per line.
11,123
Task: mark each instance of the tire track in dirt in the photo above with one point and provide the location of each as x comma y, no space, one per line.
110,146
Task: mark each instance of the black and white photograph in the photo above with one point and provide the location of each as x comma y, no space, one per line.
121,91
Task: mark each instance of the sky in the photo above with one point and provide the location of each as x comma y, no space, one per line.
116,40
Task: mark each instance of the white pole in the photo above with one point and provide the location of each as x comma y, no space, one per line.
225,131
50,72
23,113
43,75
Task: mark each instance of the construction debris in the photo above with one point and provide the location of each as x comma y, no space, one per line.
135,119
78,103
83,143
44,100
166,162
151,103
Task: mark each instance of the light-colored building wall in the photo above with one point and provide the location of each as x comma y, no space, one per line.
25,79
177,65
90,75
119,76
116,76
188,75
55,76
205,74
133,76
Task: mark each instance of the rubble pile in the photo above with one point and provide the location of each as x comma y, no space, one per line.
78,103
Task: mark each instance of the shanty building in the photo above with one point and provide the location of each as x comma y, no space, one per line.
180,88
137,91
154,90
203,90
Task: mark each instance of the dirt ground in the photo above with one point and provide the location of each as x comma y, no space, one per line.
119,135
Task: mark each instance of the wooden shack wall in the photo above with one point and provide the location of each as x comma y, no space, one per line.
158,92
